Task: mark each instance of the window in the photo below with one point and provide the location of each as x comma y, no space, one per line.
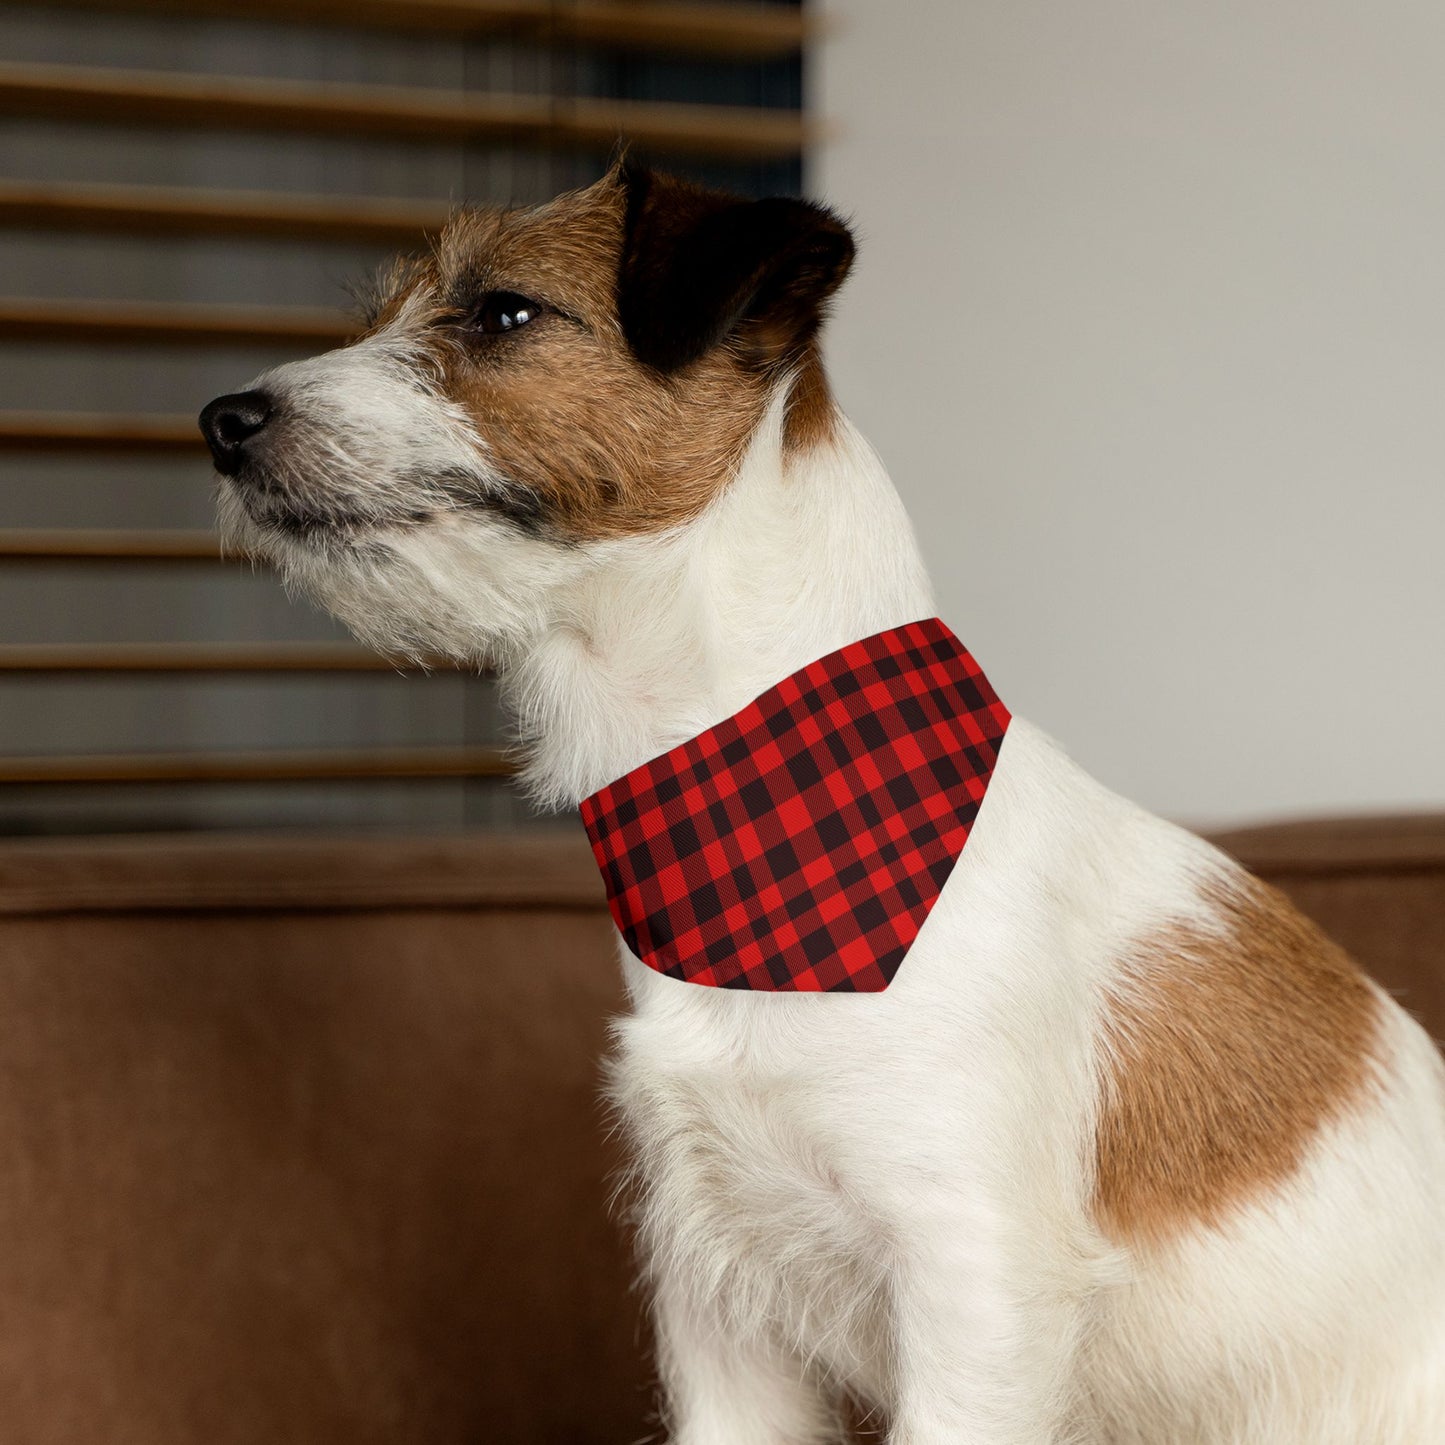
185,192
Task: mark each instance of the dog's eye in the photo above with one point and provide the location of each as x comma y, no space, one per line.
504,311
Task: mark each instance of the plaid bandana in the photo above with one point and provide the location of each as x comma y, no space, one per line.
799,844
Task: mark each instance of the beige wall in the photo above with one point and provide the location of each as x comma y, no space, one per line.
1149,323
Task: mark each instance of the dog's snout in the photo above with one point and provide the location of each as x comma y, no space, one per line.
229,422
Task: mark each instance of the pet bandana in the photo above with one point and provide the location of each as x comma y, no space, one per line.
799,844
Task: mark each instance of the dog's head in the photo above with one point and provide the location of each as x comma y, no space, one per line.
544,383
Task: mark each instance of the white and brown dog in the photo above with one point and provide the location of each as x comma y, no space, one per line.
1128,1152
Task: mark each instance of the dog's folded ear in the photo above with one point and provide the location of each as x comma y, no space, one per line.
701,266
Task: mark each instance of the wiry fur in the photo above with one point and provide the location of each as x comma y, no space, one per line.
896,1195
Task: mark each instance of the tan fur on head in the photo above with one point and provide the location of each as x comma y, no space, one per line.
564,407
607,444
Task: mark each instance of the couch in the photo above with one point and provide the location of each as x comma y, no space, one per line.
302,1140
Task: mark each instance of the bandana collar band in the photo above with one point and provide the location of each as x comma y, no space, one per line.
799,844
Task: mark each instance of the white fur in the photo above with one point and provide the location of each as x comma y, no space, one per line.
889,1193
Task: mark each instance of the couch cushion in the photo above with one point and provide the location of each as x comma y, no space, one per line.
302,1143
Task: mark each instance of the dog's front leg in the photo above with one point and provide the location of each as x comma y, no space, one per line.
722,1387
984,1338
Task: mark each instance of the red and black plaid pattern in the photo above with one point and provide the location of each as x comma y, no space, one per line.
799,844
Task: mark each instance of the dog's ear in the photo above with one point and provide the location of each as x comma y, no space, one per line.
700,266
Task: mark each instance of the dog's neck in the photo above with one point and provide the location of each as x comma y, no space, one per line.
803,553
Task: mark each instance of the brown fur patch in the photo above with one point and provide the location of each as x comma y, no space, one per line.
606,445
1227,1053
812,415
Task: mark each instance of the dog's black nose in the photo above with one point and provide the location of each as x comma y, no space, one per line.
229,422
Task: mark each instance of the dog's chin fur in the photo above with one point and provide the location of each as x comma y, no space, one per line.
1127,1154
458,586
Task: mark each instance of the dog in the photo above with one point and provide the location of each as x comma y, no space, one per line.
1127,1153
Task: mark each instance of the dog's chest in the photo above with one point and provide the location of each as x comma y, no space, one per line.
748,1182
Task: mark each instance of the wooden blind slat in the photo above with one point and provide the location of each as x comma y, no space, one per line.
77,431
171,323
271,766
186,657
83,544
761,32
172,211
755,32
218,102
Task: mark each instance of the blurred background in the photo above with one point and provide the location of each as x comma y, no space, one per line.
1149,324
187,194
301,1008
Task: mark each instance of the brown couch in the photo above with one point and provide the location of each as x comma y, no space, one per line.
302,1142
